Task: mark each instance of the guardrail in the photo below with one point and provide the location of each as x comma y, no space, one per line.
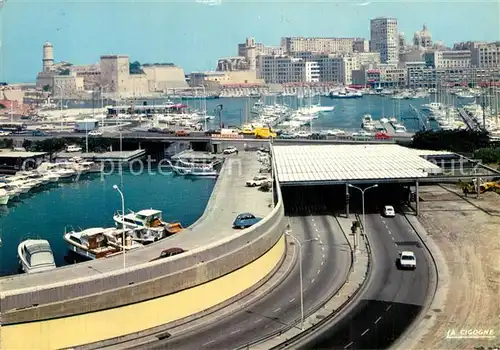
146,281
289,342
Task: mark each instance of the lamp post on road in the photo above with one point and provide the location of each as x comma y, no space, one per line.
362,190
115,187
299,243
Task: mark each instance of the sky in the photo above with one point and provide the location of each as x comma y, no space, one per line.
194,35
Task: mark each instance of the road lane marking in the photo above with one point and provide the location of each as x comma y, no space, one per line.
314,224
378,320
389,232
323,256
322,263
257,321
292,300
278,309
366,331
396,244
322,248
320,242
387,308
236,331
208,342
392,238
319,271
312,281
348,345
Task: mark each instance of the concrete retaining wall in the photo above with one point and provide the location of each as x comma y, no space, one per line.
147,281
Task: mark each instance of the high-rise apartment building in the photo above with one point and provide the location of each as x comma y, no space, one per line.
384,38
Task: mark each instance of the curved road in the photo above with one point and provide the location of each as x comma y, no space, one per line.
325,266
393,298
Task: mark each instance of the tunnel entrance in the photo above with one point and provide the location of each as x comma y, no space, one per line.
331,199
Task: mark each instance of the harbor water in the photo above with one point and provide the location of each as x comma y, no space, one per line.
347,115
91,201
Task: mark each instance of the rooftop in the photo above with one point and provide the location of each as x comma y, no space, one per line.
332,164
15,154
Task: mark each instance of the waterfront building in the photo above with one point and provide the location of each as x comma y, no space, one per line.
423,38
153,78
279,69
91,74
467,45
448,59
65,86
486,55
218,79
292,45
384,38
419,75
385,75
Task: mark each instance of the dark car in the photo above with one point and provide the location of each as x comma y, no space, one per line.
245,220
154,130
167,131
39,133
212,132
169,252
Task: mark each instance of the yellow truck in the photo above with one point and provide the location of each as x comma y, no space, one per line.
264,133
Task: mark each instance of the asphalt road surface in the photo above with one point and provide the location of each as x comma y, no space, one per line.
325,266
394,297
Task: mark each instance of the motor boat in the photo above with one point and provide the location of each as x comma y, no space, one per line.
193,169
150,219
98,242
35,255
367,123
4,196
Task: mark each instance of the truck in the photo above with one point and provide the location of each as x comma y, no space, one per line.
264,133
86,125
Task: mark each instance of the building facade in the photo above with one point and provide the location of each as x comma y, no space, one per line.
282,69
383,76
486,55
292,45
384,38
448,59
67,86
427,77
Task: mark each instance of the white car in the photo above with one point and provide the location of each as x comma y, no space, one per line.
230,150
389,211
303,134
257,181
73,148
407,260
95,133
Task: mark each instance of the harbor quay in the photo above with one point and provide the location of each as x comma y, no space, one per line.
80,294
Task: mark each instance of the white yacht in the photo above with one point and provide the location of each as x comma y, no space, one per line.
58,169
4,196
432,106
399,128
35,255
12,191
98,242
367,123
150,219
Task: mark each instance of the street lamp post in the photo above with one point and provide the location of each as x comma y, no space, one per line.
299,243
115,187
362,190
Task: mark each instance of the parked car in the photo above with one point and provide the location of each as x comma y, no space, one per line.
303,134
245,220
95,133
169,252
286,136
154,130
389,211
407,260
382,136
230,150
39,133
257,181
182,132
167,131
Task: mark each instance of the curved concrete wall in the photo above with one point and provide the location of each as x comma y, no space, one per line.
72,331
147,281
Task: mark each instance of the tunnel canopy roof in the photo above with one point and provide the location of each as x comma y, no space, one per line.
331,164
